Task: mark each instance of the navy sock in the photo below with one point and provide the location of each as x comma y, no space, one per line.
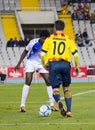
56,97
68,99
68,103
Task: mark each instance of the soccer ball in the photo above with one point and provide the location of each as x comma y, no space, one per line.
45,110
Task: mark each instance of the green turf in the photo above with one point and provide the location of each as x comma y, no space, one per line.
83,109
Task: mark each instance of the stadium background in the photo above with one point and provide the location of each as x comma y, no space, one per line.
21,20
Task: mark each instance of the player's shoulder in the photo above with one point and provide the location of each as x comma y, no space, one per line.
34,41
50,37
58,34
68,37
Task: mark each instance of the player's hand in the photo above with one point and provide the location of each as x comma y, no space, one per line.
77,70
17,67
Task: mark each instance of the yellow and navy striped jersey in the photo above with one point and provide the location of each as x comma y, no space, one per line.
58,47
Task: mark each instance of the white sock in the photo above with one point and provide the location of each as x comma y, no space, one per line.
50,95
25,91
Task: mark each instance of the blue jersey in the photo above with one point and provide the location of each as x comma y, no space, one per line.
34,48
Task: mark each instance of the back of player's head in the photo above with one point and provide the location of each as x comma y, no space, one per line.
45,33
59,25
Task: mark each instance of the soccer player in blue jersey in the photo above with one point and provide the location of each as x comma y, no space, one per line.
33,62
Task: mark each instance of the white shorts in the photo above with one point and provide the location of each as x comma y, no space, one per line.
31,66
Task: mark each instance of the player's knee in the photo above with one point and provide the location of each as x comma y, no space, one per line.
67,93
56,91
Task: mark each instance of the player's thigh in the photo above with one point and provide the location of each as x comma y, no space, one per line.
28,77
66,79
45,75
66,76
54,74
46,78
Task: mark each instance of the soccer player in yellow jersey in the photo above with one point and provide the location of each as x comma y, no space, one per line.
56,54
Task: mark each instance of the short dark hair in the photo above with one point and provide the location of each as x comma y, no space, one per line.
59,25
44,33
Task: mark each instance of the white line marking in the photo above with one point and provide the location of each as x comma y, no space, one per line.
27,124
74,95
84,92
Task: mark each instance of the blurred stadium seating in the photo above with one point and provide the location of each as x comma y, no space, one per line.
19,18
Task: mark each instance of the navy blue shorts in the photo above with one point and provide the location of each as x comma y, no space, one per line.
59,73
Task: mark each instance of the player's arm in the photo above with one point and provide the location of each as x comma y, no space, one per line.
44,51
75,54
76,60
43,56
23,55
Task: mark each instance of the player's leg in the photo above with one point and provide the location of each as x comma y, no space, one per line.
49,91
29,69
56,95
25,90
55,81
68,101
67,94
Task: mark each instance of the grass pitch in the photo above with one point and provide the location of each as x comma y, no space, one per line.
83,108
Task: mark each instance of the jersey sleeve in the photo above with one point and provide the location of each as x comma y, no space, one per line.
73,47
45,46
74,52
43,57
30,45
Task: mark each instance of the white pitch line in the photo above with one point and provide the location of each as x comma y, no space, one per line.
74,95
38,124
84,92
